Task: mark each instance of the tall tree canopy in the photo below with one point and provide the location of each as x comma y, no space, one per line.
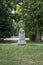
31,11
5,20
33,16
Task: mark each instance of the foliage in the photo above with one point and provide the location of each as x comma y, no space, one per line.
32,12
5,21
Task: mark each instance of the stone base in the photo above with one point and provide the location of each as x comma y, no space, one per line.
21,42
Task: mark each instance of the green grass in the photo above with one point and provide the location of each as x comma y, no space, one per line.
29,54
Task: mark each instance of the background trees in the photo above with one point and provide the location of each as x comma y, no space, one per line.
5,20
31,11
32,14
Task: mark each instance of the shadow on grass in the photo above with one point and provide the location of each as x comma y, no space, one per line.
34,42
2,41
7,41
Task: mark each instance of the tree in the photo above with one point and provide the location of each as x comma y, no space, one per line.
33,10
32,13
5,20
30,10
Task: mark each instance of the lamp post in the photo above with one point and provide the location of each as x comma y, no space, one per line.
13,29
12,23
21,33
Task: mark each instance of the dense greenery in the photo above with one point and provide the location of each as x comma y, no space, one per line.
33,15
31,11
5,21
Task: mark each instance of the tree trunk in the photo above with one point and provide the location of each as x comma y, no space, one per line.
38,33
38,37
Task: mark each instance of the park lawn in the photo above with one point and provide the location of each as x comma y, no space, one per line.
29,54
